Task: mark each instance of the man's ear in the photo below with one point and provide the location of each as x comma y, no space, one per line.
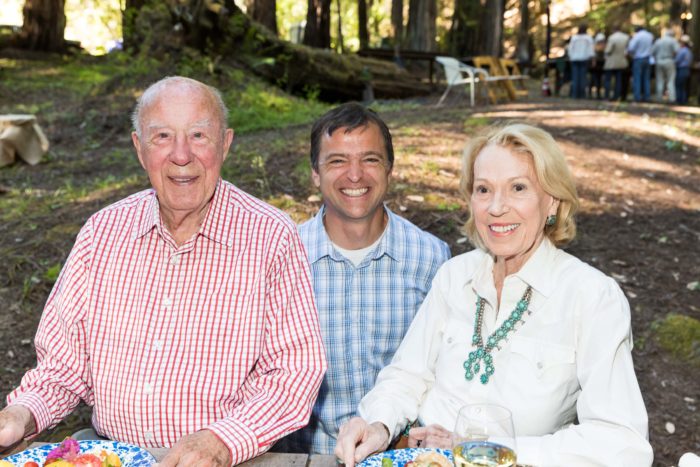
316,178
228,139
137,145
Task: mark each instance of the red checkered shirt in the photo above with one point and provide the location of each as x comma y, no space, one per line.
219,333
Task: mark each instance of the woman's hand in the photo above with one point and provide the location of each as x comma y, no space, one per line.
432,436
357,439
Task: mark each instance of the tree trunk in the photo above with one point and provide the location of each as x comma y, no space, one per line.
421,25
362,31
477,29
397,25
43,26
264,12
463,38
522,51
318,24
339,44
492,32
694,29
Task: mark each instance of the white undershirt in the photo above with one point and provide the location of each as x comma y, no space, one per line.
356,256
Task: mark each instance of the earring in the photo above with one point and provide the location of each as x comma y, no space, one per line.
551,220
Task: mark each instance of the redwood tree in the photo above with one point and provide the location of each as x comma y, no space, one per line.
477,28
264,12
43,26
362,31
420,33
318,24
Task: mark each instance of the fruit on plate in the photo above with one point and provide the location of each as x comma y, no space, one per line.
68,454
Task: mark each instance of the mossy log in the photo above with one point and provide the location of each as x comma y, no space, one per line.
301,69
220,28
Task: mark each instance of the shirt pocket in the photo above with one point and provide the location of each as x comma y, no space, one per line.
455,346
545,360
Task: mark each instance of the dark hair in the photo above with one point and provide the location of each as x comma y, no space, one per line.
582,28
350,116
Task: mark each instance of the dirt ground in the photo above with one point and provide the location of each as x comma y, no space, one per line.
638,173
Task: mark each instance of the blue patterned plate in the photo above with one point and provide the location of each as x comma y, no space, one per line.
131,456
399,457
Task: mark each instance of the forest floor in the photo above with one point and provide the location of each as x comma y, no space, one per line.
637,169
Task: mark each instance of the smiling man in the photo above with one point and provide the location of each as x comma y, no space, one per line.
184,314
370,268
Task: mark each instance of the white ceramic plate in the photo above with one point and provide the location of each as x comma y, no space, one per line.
399,457
130,455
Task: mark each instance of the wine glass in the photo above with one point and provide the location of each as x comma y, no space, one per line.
484,436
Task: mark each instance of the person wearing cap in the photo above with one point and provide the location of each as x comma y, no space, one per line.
640,50
683,60
664,50
580,50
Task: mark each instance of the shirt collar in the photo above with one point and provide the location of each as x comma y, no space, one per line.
213,227
323,246
537,272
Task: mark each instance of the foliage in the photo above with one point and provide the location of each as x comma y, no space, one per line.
679,335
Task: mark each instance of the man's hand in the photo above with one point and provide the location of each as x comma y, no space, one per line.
432,436
16,421
357,440
200,449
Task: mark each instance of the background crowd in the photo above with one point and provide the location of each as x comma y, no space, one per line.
601,66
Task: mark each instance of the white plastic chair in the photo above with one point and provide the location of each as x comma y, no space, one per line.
458,73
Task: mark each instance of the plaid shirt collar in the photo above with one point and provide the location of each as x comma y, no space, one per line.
323,247
212,228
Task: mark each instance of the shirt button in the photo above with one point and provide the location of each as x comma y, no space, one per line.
148,389
149,436
174,259
167,301
158,345
539,365
449,340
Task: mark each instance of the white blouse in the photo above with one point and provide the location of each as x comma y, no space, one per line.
566,373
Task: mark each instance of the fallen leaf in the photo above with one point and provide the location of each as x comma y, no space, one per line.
695,285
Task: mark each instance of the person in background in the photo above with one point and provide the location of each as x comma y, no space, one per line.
580,51
597,66
683,60
185,313
616,63
664,52
370,268
639,49
516,322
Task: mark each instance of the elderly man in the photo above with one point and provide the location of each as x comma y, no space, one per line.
371,269
664,53
184,314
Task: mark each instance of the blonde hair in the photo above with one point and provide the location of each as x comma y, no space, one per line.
551,169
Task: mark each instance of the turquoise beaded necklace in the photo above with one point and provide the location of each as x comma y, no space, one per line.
471,364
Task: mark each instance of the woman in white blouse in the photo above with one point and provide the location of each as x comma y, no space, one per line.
555,340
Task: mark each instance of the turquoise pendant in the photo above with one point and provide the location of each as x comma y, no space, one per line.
481,360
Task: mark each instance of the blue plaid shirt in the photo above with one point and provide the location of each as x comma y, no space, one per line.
364,313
